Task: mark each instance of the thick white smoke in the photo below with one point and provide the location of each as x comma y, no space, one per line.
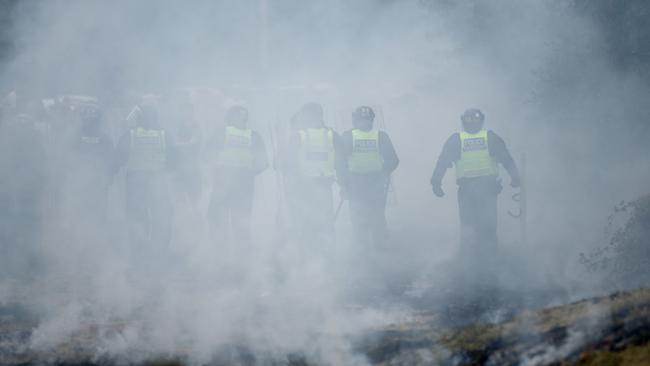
536,68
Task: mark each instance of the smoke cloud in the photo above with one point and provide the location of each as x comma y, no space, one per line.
539,70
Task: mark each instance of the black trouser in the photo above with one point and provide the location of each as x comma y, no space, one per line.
85,200
21,226
367,194
231,205
187,183
313,219
149,210
477,204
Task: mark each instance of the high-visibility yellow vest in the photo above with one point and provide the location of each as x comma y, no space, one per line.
475,160
316,152
147,150
237,149
365,157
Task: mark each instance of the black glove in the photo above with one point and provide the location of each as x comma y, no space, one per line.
515,182
437,190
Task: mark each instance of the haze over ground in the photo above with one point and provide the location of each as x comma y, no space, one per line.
553,77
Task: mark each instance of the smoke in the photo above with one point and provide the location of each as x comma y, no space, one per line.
539,70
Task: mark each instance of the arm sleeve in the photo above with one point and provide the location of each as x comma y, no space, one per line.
108,155
500,152
388,153
122,151
212,146
259,150
288,162
337,153
171,151
449,154
344,149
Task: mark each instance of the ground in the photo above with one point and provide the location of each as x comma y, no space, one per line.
609,330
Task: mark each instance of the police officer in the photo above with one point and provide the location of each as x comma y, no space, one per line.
311,172
368,159
476,153
86,186
239,156
147,152
284,162
24,166
187,142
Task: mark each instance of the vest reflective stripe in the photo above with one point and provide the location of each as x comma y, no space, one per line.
317,152
475,160
365,157
147,152
237,149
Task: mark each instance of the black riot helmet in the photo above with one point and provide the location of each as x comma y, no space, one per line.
237,116
363,117
90,113
311,115
91,117
472,120
148,118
